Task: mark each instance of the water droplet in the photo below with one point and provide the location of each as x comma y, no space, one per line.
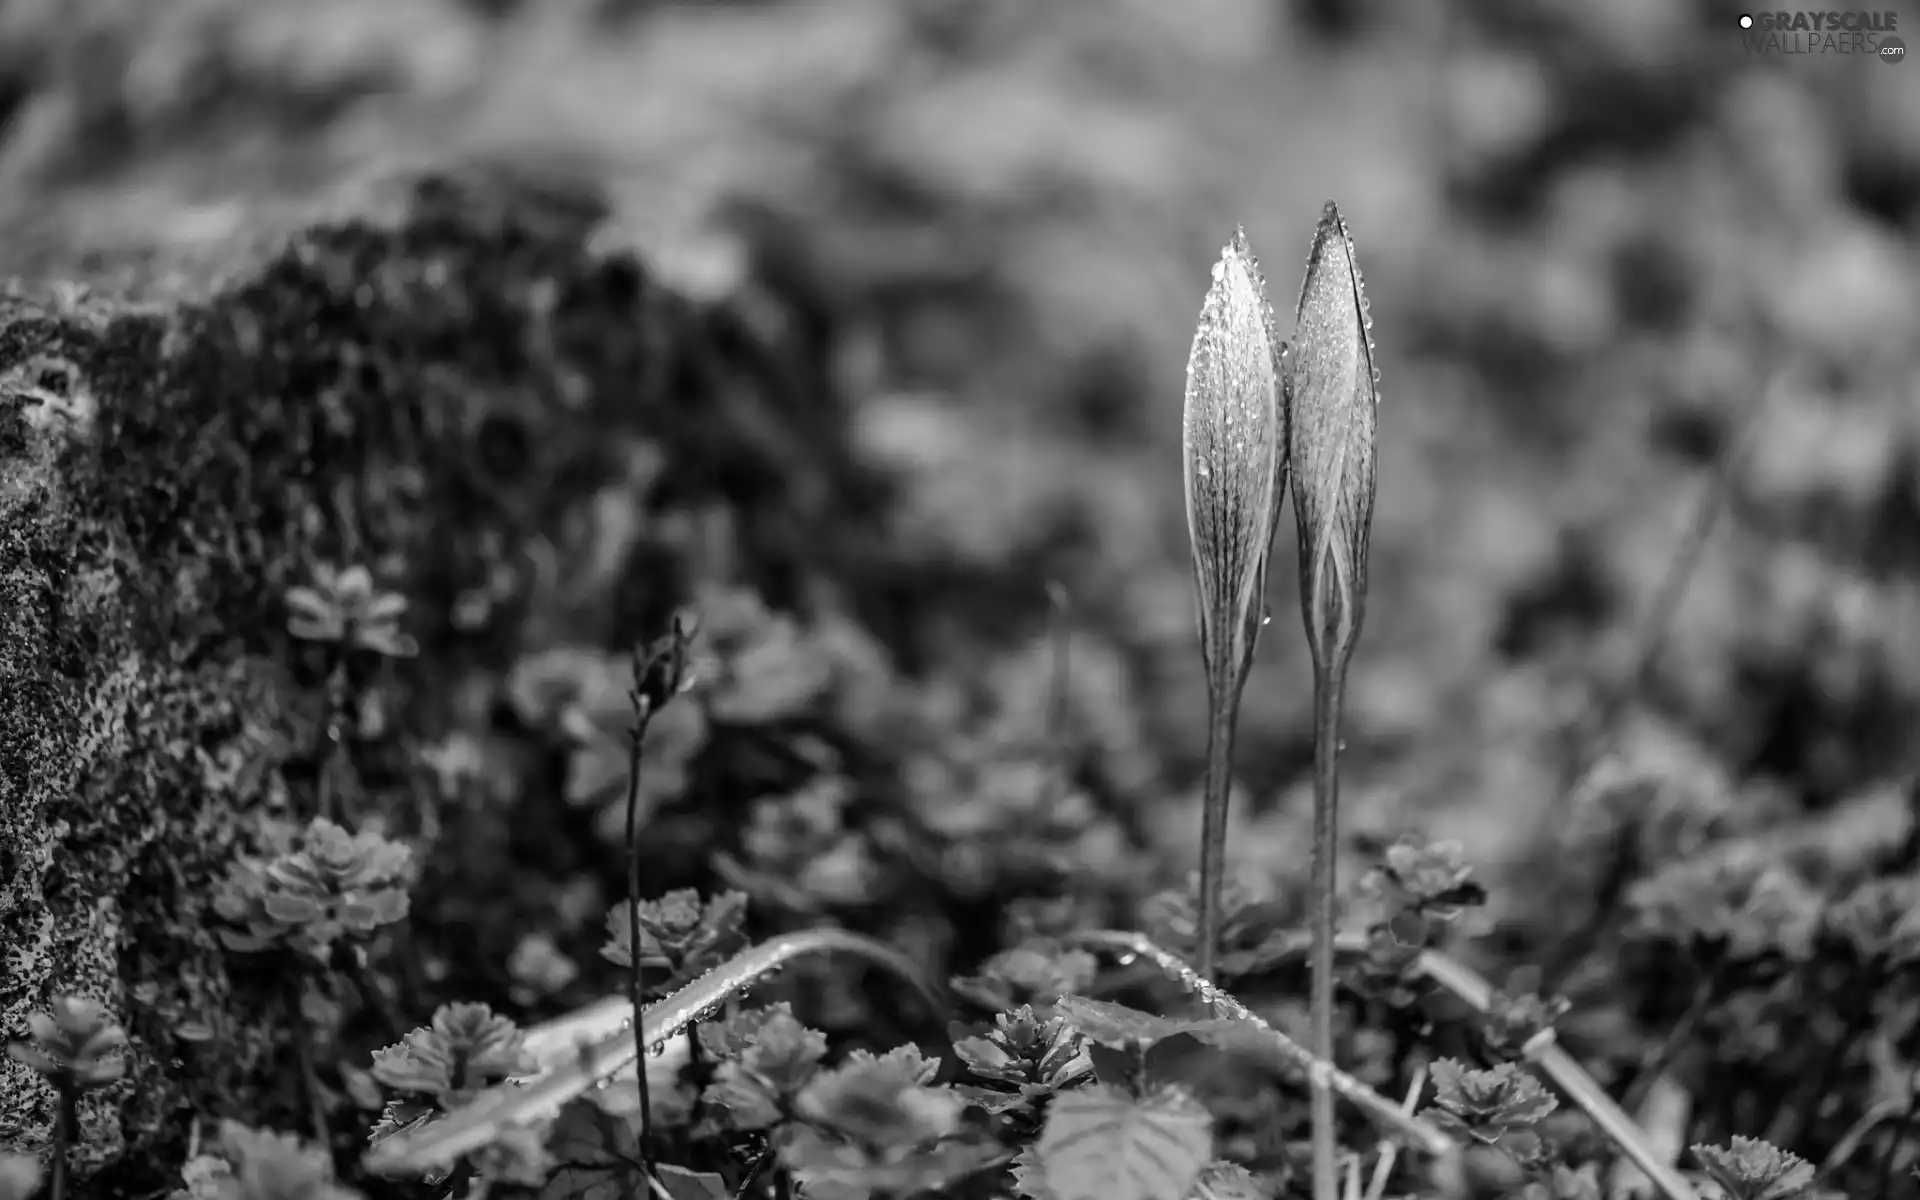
656,1050
1128,959
1266,614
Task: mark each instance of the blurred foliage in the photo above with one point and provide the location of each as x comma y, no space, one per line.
904,348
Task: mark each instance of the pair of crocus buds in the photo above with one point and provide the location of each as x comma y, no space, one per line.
1261,415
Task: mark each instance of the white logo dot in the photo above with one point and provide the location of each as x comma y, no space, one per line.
1746,22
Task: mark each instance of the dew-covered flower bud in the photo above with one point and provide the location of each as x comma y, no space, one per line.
1332,385
1235,467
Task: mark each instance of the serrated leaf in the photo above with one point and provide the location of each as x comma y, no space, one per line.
505,1106
598,1157
1103,1144
1030,1175
1227,1181
1333,394
1753,1169
833,1169
1233,445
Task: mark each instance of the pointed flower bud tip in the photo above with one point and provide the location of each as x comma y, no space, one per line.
1234,453
1333,386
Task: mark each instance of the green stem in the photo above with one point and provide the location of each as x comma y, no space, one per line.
1223,714
66,1124
696,1071
643,716
754,1170
1661,1056
309,1072
330,757
1328,689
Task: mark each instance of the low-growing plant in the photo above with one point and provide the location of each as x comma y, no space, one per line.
1081,1062
76,1047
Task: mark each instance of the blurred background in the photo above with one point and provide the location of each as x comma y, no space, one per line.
1600,240
1644,297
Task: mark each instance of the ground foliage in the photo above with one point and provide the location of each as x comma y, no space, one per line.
546,446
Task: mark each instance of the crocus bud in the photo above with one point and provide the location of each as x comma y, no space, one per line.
1332,387
1235,464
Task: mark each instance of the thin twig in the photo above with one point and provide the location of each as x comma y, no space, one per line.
1651,638
754,1169
1599,719
1571,1078
1383,1169
1856,1133
1658,1059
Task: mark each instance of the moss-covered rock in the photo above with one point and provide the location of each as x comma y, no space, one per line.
523,436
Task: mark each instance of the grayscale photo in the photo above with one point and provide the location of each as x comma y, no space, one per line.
988,599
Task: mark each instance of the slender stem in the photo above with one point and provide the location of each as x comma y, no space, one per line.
1567,1074
1223,712
697,1071
309,1073
1383,1168
643,715
754,1170
332,732
1328,686
1891,1145
1856,1019
66,1124
1661,1056
1382,1111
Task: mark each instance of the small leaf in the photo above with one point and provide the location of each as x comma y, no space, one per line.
1030,1175
1489,1102
1102,1144
599,1157
1332,388
507,1105
1227,1181
19,1176
683,1184
1752,1169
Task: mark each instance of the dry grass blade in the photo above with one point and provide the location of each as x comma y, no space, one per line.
1409,1129
510,1105
1567,1074
1333,395
1234,464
